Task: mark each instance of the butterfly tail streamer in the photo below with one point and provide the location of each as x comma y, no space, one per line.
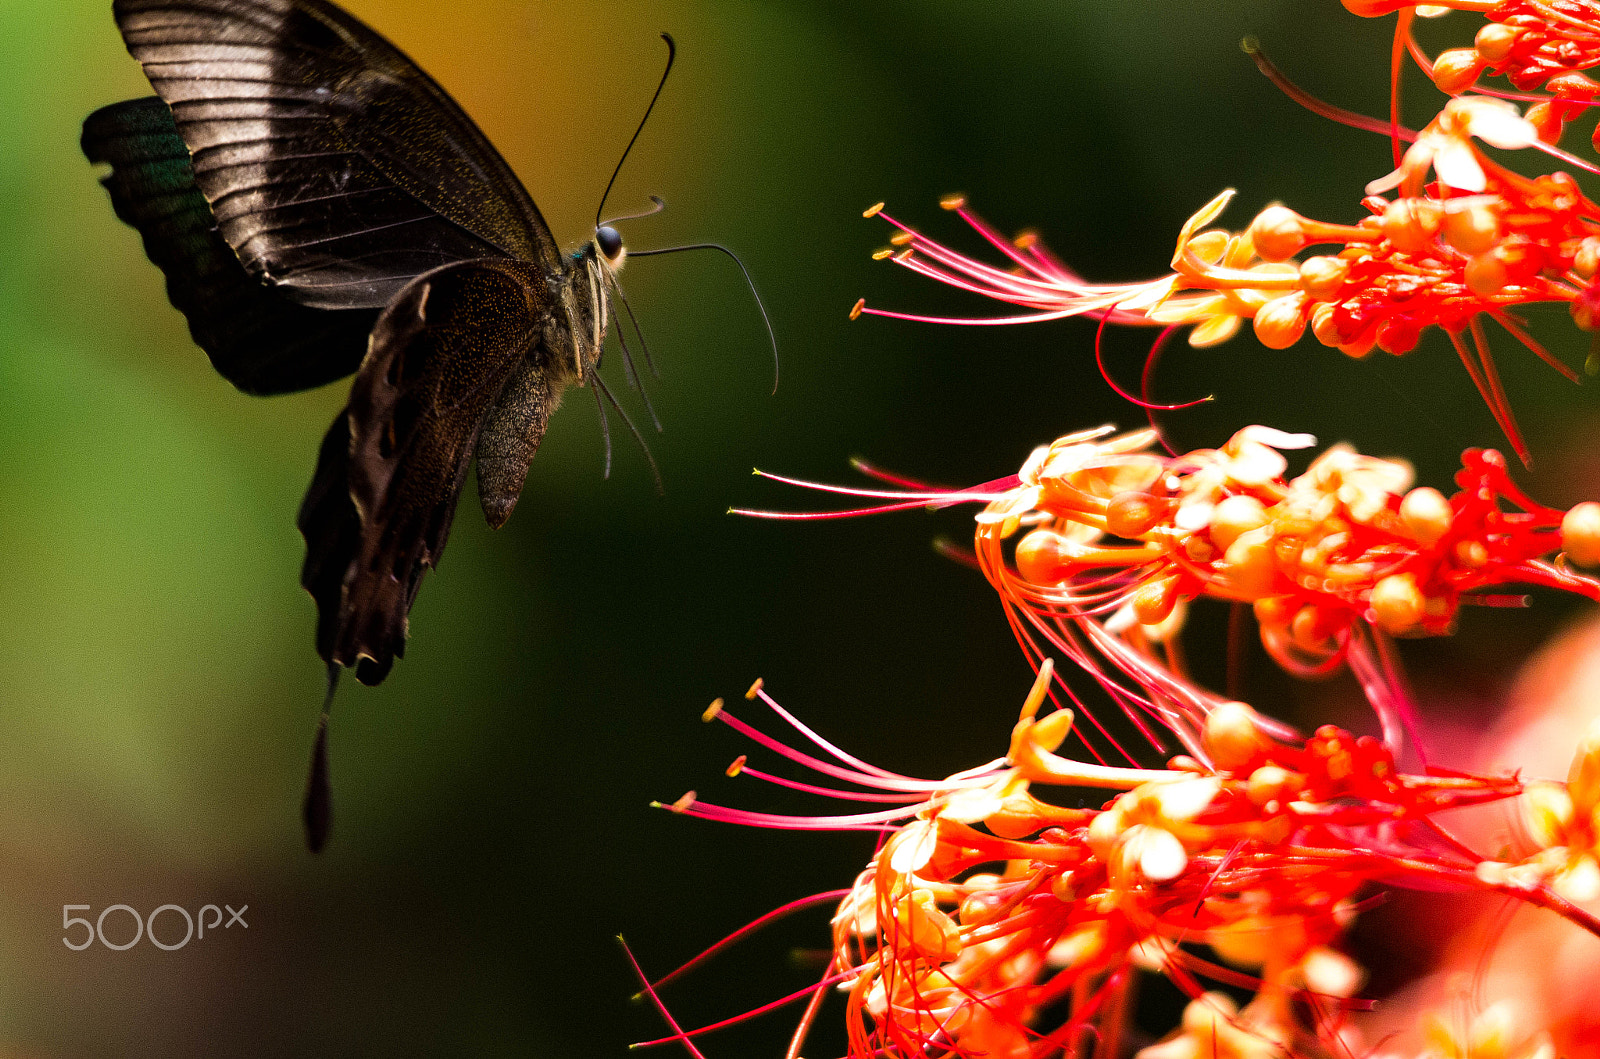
316,811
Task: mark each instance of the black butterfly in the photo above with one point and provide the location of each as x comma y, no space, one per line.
319,206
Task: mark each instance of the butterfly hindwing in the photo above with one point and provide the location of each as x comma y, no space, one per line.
256,338
393,464
336,169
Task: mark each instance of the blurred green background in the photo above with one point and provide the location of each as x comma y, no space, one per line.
158,687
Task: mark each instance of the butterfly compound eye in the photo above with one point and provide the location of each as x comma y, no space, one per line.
609,240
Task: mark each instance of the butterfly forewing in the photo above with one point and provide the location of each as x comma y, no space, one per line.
336,168
393,464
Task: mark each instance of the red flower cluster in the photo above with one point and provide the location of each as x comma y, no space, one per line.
986,906
1000,918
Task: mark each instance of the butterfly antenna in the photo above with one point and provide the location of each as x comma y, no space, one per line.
771,335
672,53
660,204
632,375
655,471
605,425
317,809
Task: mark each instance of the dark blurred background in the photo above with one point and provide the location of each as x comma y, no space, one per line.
493,835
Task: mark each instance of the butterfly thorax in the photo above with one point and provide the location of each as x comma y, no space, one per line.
582,296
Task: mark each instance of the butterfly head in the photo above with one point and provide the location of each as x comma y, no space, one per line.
608,243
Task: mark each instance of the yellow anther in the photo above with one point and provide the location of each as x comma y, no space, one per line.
1065,889
1026,240
855,310
1081,945
683,803
1548,812
873,210
880,255
735,767
952,202
1182,801
1273,610
903,254
711,711
1103,832
1207,1016
901,238
1153,953
1584,315
755,689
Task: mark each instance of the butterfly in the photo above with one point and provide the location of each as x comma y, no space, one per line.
320,206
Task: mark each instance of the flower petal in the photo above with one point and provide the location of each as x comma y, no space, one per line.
1457,165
